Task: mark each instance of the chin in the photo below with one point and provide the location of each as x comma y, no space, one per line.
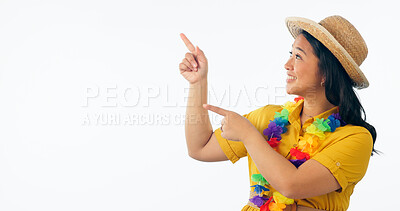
295,89
290,90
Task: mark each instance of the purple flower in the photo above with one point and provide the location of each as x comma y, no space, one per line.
298,163
338,117
258,200
273,131
282,123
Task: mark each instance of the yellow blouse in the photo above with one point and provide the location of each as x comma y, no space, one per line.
345,153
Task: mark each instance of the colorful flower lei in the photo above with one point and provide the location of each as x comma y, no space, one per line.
307,145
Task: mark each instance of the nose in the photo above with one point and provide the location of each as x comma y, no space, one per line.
289,64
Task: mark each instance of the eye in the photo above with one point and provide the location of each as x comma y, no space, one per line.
297,55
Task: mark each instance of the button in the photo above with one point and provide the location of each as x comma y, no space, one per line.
337,164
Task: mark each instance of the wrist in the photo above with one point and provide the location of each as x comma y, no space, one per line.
200,82
252,135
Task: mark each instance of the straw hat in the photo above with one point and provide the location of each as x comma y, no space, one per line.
341,38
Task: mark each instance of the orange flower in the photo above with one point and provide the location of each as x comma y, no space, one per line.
275,206
308,143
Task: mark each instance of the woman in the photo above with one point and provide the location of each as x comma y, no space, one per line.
304,155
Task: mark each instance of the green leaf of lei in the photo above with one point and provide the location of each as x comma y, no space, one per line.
284,114
259,179
322,125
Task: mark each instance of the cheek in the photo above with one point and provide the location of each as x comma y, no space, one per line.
301,72
307,74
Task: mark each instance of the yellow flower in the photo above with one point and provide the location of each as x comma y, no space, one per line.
308,143
265,192
279,198
312,129
290,106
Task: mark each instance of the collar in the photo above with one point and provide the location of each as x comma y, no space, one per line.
294,116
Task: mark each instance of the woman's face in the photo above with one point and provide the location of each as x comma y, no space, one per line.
304,78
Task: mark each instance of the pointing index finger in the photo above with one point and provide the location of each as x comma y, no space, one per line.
216,109
188,44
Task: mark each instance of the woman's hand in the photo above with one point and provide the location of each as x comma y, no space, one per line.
234,126
194,66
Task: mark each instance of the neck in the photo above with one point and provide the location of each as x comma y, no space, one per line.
314,106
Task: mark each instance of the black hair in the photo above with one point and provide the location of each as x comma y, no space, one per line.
339,87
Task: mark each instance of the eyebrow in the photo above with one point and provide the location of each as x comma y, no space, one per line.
300,50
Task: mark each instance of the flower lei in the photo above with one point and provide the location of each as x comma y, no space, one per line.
307,145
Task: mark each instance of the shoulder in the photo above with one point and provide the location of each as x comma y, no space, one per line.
262,115
352,138
352,131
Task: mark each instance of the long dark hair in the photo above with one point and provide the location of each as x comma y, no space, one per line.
339,87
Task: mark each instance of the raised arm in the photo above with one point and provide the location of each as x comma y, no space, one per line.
201,142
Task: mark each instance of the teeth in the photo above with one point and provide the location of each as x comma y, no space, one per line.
292,77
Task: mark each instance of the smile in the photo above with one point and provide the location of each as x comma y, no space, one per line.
291,78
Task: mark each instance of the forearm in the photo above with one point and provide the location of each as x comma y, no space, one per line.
275,168
198,128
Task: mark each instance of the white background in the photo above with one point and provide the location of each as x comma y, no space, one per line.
65,63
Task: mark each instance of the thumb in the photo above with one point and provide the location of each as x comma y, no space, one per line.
200,55
216,109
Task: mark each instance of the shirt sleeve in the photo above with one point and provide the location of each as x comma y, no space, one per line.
347,158
234,150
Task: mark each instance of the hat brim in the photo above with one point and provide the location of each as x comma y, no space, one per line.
296,24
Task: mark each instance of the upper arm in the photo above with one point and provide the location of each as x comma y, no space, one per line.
312,179
212,151
221,149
